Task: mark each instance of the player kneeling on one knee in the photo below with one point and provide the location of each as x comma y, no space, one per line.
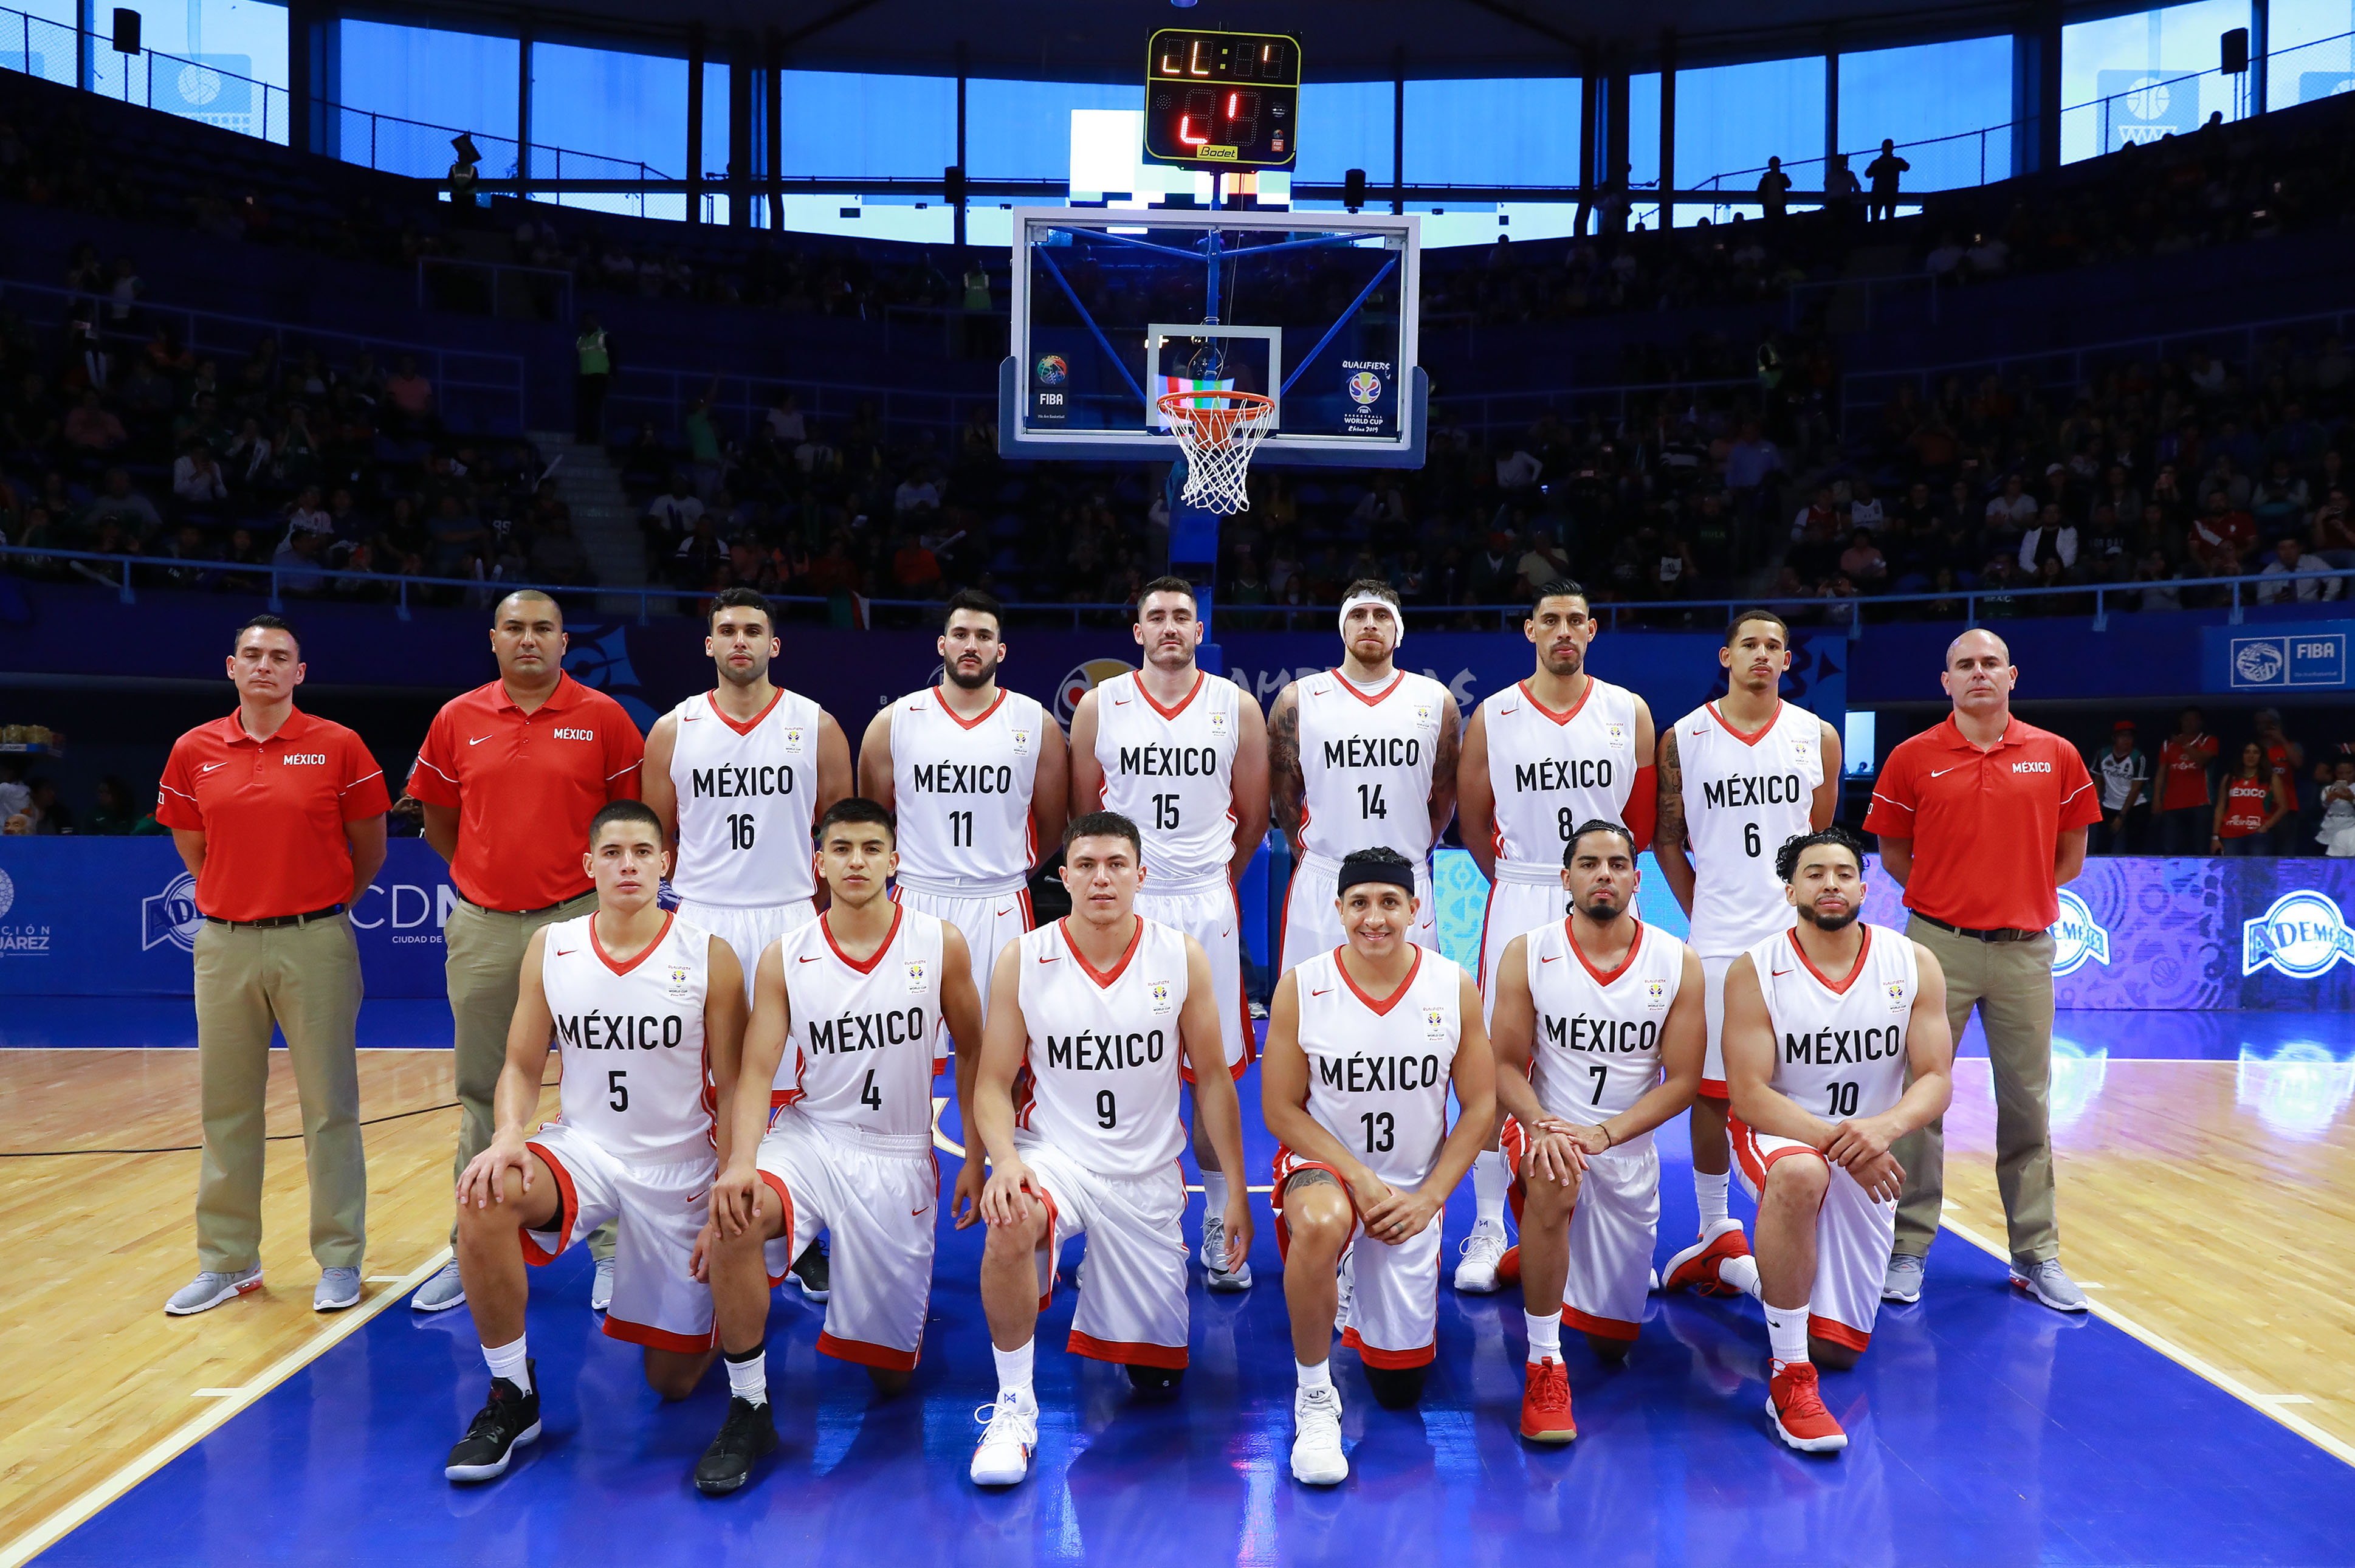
1599,1037
655,999
859,996
1837,1045
1363,1044
1090,1021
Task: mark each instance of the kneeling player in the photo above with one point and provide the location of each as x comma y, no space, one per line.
1363,1043
1824,1024
1090,1020
858,996
659,1000
1599,1039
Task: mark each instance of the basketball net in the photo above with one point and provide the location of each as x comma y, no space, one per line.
1217,432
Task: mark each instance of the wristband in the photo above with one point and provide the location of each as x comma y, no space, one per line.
1608,1141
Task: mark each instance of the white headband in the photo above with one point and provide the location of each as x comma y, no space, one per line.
1357,599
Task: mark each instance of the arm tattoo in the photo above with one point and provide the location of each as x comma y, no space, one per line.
1286,788
1670,825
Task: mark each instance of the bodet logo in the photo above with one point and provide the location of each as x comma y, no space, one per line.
2077,936
2302,935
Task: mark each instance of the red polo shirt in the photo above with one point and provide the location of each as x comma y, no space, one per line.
526,785
1985,825
2183,771
272,813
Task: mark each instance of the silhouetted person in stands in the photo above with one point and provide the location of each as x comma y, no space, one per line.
1773,190
1883,172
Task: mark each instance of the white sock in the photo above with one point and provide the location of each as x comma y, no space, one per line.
1014,1369
1490,1177
1708,1192
1787,1334
748,1380
511,1362
1740,1273
1316,1377
1214,1195
1545,1335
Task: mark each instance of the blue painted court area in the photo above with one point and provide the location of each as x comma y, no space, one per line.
1987,1430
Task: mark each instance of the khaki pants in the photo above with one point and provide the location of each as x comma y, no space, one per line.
2011,984
485,971
306,980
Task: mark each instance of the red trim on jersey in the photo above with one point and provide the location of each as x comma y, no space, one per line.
1397,678
605,958
1755,1162
1838,1332
963,723
1422,1356
1563,718
867,1354
1128,1352
867,967
1382,1008
646,1334
777,1185
1289,1165
1570,935
1201,679
1772,720
533,1252
749,725
1715,1089
1103,977
1840,987
1601,1328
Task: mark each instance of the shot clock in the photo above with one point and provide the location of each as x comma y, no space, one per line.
1222,101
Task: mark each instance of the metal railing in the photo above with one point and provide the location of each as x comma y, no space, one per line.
665,397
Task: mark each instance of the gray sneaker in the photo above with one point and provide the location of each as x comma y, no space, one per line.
208,1290
338,1288
2050,1284
442,1292
1903,1281
600,1289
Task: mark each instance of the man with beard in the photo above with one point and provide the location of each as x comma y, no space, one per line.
1541,757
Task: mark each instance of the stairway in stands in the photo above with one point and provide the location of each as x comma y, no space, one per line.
602,519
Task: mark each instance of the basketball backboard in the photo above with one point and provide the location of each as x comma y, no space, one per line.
1112,309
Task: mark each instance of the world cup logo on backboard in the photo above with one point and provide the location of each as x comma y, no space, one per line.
1050,369
1365,387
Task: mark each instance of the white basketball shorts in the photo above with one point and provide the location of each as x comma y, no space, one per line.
749,931
1394,1306
988,918
1853,1234
1515,908
1132,1306
1312,926
1207,913
1611,1232
661,1208
877,1206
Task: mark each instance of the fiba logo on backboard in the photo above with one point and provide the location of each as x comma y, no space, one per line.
2302,935
1365,387
171,917
2077,936
1083,679
1051,370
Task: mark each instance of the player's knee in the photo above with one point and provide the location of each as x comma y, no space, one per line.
1396,1388
1608,1349
1545,1201
889,1381
1830,1356
674,1376
1319,1224
1798,1178
1020,1239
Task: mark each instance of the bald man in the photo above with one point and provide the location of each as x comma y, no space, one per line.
1982,818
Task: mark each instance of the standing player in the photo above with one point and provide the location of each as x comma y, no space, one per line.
857,997
1738,777
1599,1039
1363,1045
1559,749
1363,754
1184,757
1089,1021
661,1002
1835,1046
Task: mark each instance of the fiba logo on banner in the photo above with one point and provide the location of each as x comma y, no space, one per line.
2302,935
171,917
2259,664
2077,936
1083,679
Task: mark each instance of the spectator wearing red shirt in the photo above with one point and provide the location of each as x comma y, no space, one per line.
2182,817
2255,798
2288,760
509,776
1982,818
279,817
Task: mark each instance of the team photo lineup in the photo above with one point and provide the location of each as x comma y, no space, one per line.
755,945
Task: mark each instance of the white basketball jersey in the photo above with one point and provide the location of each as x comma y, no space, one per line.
638,1085
1100,1074
962,788
1839,1048
1171,770
1552,771
1744,797
859,1046
1365,763
1597,1042
1379,1072
747,796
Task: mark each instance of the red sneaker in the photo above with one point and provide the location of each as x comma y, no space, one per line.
1796,1405
1508,1267
1545,1404
1696,1267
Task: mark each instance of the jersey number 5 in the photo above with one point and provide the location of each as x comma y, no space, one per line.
617,1091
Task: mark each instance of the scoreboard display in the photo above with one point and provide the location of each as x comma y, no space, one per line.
1222,101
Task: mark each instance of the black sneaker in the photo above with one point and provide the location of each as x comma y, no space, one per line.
749,1433
508,1420
813,1272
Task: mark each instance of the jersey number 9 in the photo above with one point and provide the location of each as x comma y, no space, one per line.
1107,1110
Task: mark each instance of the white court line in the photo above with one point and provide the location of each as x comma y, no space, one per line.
947,1145
2264,1405
230,1400
216,1393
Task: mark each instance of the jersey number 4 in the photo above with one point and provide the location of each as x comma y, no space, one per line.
868,1094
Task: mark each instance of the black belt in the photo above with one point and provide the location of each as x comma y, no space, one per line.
272,922
519,913
1999,934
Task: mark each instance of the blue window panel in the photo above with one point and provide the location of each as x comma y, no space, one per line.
1644,142
2118,76
226,65
851,124
38,41
1731,118
466,81
715,135
601,114
1504,130
1022,129
2310,56
1347,125
1954,99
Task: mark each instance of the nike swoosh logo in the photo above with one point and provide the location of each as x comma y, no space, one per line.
913,1213
1326,992
1120,703
1555,959
808,960
1942,772
566,951
1004,913
476,740
1779,973
1224,934
692,718
211,766
1049,957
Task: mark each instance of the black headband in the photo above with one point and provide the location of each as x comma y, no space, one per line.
1398,873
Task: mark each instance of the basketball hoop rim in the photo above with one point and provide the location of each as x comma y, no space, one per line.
1174,403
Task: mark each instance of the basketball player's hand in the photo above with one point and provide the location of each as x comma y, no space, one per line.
1857,1143
484,1181
1402,1216
698,1261
1371,1194
1883,1178
965,1200
1238,1227
735,1198
1006,1198
1556,1155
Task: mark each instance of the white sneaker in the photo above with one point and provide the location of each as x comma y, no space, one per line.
1346,1279
1214,1257
1003,1458
600,1289
1476,1273
1317,1455
338,1288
